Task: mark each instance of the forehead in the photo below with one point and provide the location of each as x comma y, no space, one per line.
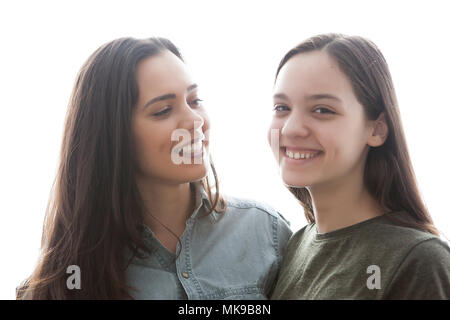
162,74
312,73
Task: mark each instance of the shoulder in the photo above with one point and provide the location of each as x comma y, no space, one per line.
261,217
431,250
386,236
424,273
421,261
299,234
250,206
297,238
388,232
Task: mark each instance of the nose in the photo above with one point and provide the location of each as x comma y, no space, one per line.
191,120
295,126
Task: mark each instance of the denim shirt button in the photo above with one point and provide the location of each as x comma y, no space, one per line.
185,275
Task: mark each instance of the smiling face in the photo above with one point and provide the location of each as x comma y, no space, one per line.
323,132
169,109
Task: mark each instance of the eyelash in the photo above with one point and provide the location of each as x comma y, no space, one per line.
162,112
286,108
278,106
328,111
197,102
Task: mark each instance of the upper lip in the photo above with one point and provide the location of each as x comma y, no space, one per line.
191,142
301,149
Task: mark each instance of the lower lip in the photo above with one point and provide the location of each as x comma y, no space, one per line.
300,161
199,153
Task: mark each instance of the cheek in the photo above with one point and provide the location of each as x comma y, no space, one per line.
333,139
345,142
152,143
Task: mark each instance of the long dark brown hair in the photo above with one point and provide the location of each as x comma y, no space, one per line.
95,210
388,173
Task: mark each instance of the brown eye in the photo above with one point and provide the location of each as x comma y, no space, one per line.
323,110
280,108
196,102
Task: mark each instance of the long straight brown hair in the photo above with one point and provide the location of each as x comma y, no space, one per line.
388,175
95,210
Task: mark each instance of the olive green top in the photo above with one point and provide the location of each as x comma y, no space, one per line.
374,259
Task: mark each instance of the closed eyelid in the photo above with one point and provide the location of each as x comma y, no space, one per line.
162,111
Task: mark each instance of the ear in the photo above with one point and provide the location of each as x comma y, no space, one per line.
380,131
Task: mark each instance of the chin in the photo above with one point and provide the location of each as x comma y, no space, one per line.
296,182
196,173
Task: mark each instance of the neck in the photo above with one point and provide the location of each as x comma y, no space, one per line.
168,205
342,204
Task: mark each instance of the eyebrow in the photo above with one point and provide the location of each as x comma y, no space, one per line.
310,97
280,96
323,96
168,96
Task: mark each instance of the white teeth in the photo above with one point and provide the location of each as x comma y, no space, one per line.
299,155
193,148
197,147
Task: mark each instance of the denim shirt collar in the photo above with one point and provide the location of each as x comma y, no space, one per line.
201,198
201,207
202,202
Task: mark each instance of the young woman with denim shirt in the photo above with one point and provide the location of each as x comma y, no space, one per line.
133,207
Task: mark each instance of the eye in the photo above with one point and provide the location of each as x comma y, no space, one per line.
196,102
162,112
323,110
280,108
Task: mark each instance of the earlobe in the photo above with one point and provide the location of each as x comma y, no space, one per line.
380,131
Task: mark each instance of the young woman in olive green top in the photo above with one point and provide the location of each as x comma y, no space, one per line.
338,138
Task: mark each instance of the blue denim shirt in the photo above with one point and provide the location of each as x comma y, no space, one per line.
232,255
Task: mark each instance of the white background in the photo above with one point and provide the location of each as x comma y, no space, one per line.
233,48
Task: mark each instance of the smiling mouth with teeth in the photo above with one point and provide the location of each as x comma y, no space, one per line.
301,154
190,149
